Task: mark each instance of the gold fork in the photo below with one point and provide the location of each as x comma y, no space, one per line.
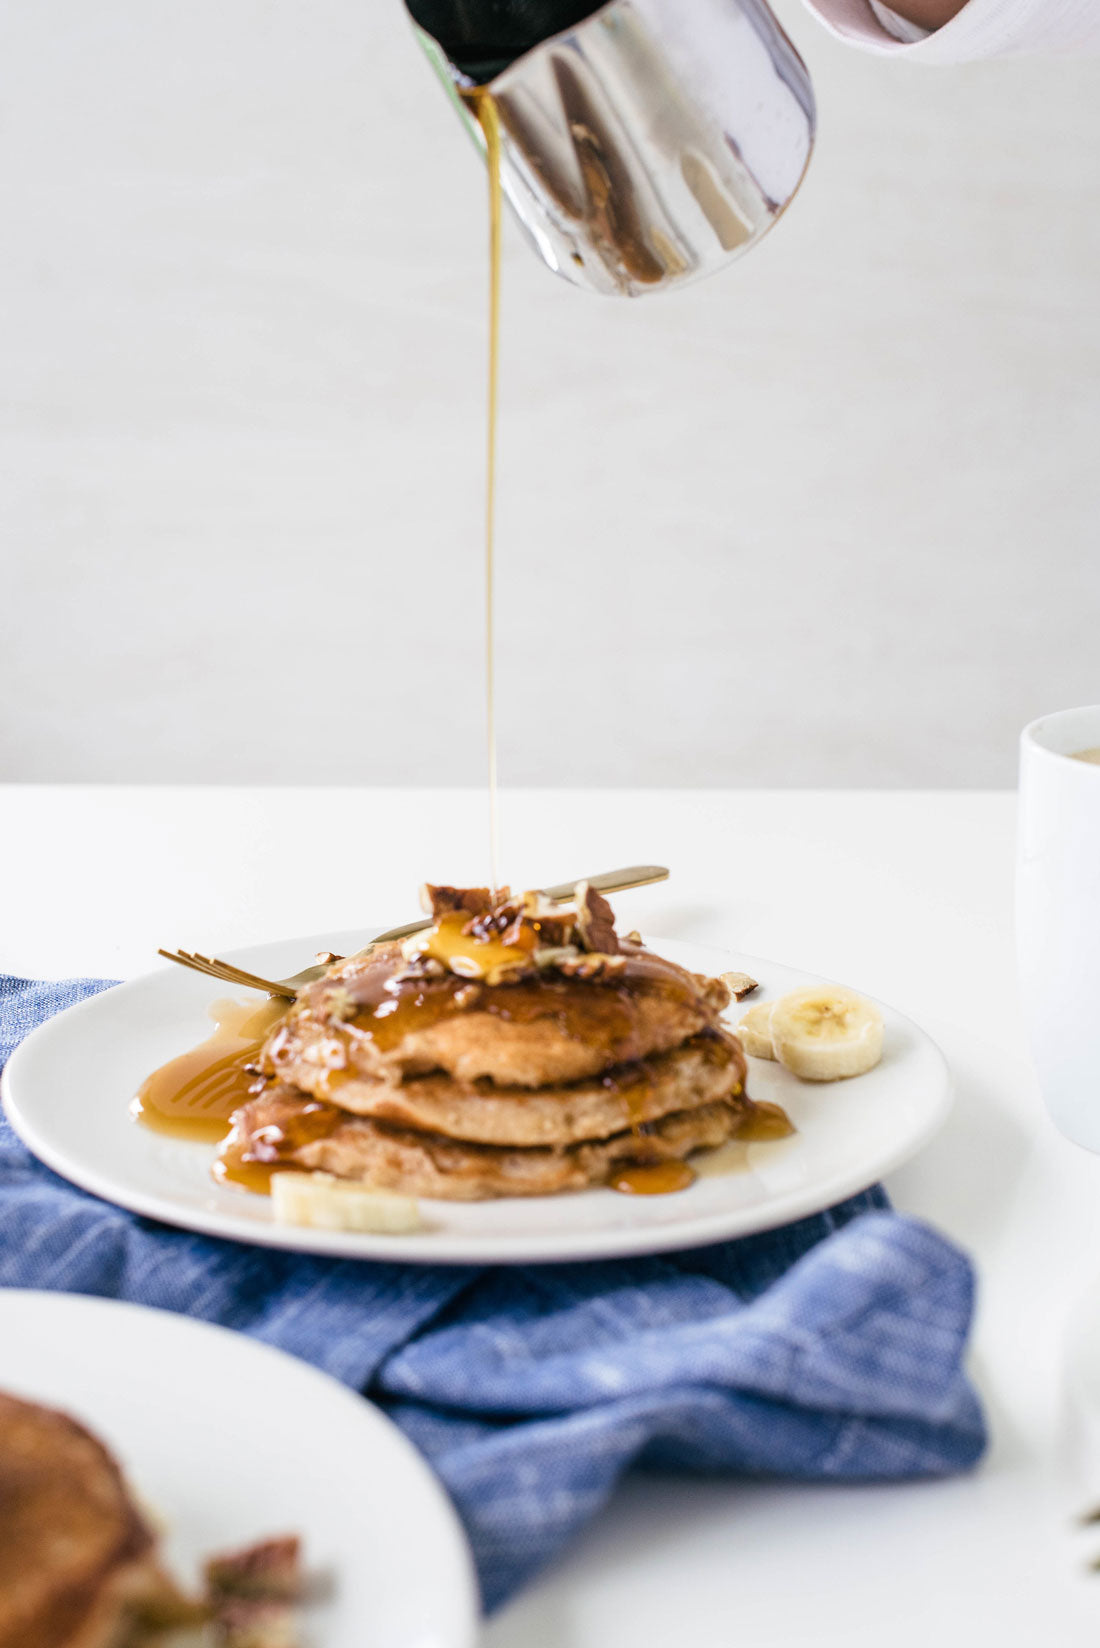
611,881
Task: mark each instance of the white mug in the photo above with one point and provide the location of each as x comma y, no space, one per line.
1058,915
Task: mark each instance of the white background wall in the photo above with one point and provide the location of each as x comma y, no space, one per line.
828,519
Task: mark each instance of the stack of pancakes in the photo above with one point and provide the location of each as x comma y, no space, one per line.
517,1049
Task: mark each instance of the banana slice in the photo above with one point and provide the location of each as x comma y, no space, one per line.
323,1202
826,1033
754,1031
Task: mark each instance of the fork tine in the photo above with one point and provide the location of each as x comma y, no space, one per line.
207,964
225,973
185,959
239,975
271,987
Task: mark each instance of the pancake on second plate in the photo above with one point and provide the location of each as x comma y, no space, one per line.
78,1564
517,1047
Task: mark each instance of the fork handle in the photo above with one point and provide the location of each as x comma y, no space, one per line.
612,881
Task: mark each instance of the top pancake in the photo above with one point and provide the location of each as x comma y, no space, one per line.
365,1020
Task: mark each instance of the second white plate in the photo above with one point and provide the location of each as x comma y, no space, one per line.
227,1441
67,1089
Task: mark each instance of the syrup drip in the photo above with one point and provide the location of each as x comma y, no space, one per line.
634,1082
765,1121
653,1179
760,1122
635,1096
251,1168
233,1168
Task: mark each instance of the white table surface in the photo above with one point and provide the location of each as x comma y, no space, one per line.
905,895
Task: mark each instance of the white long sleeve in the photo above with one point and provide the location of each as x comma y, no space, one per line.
984,28
899,27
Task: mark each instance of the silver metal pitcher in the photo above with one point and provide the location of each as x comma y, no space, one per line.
651,142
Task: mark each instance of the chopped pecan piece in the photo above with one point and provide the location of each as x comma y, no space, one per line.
739,985
524,923
439,901
595,921
271,1570
557,929
503,921
554,923
516,934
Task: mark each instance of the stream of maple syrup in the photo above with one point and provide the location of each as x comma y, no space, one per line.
483,105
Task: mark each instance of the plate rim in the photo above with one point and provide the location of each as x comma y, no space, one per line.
463,1248
464,1627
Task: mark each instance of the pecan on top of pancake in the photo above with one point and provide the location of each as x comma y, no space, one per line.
502,939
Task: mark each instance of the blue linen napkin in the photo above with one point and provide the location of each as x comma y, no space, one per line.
828,1350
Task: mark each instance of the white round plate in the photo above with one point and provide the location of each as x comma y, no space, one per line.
186,1408
67,1089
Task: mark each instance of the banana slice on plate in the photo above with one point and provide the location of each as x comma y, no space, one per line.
754,1031
825,1033
322,1202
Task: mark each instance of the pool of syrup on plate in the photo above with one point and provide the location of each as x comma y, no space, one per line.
194,1095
